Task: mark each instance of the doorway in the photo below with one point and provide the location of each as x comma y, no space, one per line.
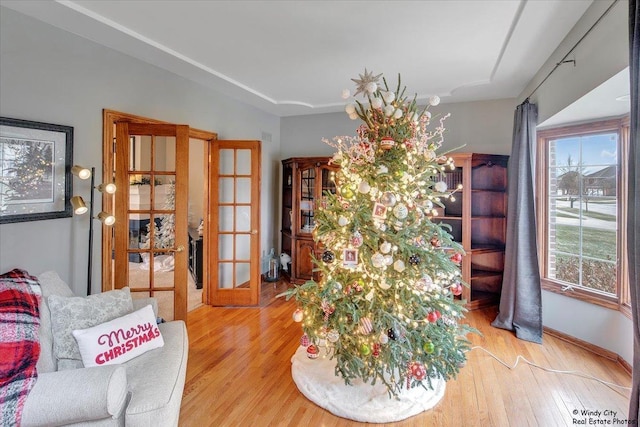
199,255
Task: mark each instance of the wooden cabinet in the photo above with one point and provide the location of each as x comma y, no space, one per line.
478,221
304,180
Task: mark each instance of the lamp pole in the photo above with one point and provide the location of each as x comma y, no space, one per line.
89,264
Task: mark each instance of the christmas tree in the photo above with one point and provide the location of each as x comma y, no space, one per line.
164,236
385,307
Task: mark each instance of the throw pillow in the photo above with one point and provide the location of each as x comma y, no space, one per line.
120,339
69,313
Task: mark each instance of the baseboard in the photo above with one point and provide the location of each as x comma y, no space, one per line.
607,354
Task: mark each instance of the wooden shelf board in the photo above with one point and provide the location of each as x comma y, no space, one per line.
488,190
486,248
473,218
481,299
480,274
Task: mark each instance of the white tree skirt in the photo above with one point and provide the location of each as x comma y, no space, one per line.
360,401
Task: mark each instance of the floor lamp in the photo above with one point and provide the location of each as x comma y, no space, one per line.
80,207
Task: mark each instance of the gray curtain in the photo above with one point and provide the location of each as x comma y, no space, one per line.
521,297
633,223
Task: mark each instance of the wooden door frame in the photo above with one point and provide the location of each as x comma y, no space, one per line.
109,119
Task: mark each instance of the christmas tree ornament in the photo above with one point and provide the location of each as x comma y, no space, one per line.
312,352
369,295
347,192
377,260
435,242
427,205
397,114
346,93
357,239
440,186
457,258
388,199
387,143
350,108
337,287
414,259
383,338
400,211
418,371
342,221
388,260
384,285
362,84
456,289
392,334
365,326
434,100
376,103
388,96
298,314
364,187
376,349
365,349
333,336
382,169
327,308
425,284
399,266
388,110
328,256
429,347
304,340
385,247
429,155
433,316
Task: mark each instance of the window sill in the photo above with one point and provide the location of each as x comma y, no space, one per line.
609,302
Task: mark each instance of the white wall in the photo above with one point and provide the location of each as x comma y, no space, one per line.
603,53
196,181
52,76
484,126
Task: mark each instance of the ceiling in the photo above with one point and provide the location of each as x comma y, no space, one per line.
296,57
610,99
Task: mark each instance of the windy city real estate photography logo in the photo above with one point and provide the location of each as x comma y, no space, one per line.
601,417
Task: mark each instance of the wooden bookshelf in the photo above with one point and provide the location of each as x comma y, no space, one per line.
478,222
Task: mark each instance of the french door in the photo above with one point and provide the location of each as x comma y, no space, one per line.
234,206
151,171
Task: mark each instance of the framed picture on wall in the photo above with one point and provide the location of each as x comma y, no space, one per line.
35,170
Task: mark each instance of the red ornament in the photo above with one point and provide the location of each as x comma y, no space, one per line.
376,349
433,316
456,289
312,352
386,143
304,340
418,371
457,258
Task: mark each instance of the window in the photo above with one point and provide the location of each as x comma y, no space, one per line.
582,190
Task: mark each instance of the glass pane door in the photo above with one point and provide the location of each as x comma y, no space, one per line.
235,201
150,255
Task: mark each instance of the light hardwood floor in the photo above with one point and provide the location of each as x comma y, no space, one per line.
239,375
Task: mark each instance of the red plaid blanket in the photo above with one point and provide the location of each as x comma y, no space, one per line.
19,345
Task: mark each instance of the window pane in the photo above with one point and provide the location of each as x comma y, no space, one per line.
582,220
